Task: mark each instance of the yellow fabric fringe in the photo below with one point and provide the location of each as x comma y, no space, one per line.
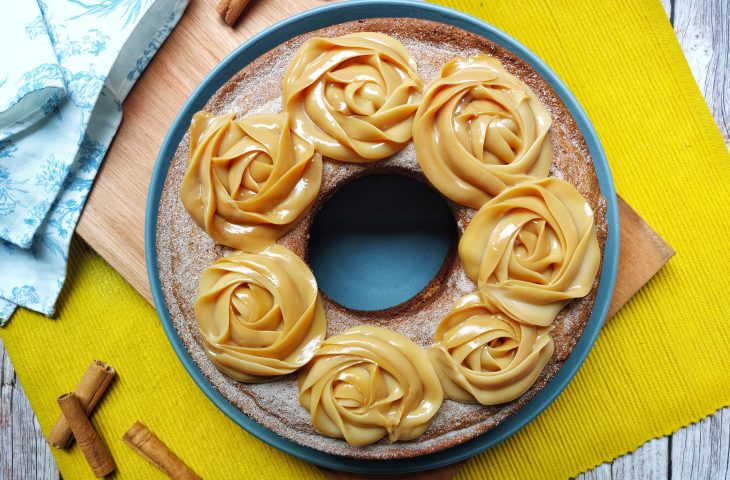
661,363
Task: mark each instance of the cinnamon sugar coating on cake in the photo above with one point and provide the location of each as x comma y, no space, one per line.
184,249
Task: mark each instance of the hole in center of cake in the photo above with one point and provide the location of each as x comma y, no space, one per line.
379,241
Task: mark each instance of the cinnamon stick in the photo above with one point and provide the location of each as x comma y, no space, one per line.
230,10
91,444
89,391
144,442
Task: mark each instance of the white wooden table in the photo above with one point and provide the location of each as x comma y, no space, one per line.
699,451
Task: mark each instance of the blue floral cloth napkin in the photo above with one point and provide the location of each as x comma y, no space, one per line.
32,83
49,161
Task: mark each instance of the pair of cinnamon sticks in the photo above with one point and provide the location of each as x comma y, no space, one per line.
74,423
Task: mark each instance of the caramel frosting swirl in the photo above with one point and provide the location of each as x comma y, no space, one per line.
259,314
532,249
248,181
369,382
479,130
353,96
483,356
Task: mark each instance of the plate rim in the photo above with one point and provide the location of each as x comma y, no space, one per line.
338,13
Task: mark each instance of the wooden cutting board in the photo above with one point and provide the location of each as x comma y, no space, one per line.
113,220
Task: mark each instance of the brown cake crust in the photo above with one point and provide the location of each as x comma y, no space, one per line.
184,249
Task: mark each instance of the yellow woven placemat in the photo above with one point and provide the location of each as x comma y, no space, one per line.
661,363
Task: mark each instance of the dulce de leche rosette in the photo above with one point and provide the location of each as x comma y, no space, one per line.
248,181
369,382
353,96
531,249
483,356
259,314
479,130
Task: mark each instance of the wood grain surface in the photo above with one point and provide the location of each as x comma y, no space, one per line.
641,254
24,453
698,451
703,31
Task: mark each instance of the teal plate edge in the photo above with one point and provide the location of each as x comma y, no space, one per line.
323,17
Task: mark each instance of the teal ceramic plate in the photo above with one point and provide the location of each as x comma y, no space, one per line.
339,13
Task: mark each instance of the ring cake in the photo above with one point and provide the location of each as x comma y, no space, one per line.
382,96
